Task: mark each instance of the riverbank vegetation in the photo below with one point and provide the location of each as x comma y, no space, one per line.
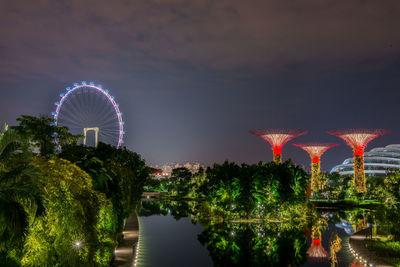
232,242
242,191
62,204
384,248
269,192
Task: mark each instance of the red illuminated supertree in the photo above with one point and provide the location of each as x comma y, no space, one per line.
315,150
316,252
358,140
277,138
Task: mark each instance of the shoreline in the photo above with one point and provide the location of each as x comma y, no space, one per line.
125,253
357,244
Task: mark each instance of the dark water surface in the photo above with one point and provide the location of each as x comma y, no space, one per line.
168,238
168,242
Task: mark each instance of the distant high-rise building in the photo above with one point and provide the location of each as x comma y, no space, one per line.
167,168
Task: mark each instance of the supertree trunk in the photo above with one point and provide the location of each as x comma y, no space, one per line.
358,140
315,173
315,150
278,158
359,173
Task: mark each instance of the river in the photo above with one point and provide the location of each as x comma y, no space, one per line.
170,235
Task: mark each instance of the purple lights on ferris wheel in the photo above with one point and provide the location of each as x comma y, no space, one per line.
98,88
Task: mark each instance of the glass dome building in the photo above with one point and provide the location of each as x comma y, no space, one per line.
376,162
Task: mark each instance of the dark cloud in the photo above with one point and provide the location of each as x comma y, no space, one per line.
193,76
220,34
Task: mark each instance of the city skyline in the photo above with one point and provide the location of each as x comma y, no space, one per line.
192,77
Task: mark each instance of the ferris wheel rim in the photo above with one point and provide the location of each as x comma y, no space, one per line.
100,89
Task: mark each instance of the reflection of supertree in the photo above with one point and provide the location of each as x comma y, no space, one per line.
358,140
334,247
243,242
356,263
316,252
315,150
277,138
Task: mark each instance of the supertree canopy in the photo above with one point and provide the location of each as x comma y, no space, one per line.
277,138
358,140
315,150
316,252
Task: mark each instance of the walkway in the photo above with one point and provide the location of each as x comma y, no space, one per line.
359,250
125,253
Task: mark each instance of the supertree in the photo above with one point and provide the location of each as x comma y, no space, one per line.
315,150
277,138
358,140
316,252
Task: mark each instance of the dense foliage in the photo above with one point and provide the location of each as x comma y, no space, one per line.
333,186
70,232
243,243
118,173
63,204
390,212
245,191
17,189
41,133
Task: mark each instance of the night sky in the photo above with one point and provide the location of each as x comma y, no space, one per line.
192,77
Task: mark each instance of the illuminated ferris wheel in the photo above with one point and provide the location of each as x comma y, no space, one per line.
89,109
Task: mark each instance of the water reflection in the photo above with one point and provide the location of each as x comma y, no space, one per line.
315,239
335,244
316,252
254,244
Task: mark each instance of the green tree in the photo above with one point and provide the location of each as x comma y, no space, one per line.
118,173
252,191
336,186
41,132
292,181
375,188
74,230
17,190
392,185
388,215
180,179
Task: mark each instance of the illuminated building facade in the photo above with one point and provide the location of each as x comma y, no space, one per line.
377,162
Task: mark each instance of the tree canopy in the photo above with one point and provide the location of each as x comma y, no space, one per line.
42,133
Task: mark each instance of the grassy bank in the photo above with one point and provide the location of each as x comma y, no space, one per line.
386,249
345,204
